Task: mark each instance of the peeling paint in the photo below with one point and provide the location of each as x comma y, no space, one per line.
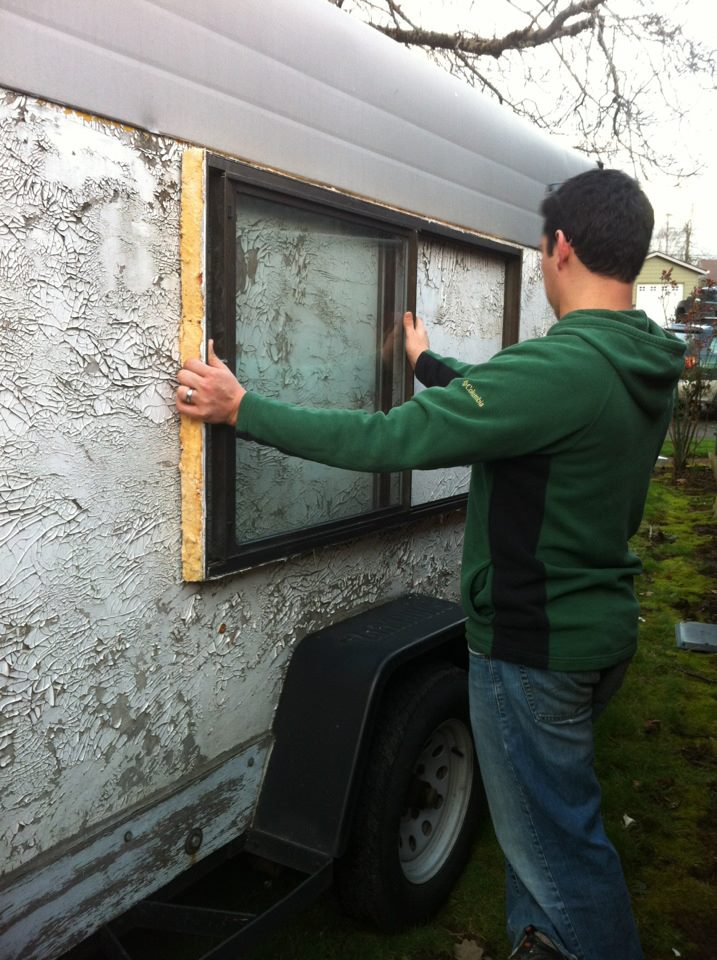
48,910
110,664
119,680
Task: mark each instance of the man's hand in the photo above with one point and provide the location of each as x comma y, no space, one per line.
416,338
213,392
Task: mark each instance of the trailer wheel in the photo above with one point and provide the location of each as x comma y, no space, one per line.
419,804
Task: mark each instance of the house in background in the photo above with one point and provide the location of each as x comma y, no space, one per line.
661,283
711,267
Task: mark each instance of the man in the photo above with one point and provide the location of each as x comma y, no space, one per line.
562,433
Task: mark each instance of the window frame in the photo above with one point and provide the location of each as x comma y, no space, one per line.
224,177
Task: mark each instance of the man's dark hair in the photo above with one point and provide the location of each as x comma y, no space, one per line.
607,219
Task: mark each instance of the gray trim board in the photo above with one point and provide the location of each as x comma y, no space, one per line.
46,910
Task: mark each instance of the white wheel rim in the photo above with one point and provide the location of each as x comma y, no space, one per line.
436,802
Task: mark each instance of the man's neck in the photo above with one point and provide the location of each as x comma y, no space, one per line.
596,293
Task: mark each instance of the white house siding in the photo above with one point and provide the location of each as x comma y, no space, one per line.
117,680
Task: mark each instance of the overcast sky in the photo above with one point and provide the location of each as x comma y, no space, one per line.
695,198
695,140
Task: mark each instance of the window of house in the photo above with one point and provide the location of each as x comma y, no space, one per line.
306,295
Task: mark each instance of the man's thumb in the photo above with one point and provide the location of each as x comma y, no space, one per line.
212,359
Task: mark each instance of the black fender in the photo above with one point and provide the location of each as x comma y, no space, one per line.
325,718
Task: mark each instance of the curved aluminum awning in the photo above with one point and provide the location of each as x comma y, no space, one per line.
299,87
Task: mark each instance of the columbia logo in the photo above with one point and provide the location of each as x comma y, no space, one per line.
472,391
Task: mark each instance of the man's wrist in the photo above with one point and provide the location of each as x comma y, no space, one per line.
234,416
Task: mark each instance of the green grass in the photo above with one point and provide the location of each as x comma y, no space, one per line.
656,758
656,749
704,446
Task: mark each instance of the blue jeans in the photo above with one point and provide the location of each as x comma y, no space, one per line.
533,732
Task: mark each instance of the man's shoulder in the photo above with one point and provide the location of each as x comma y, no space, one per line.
547,345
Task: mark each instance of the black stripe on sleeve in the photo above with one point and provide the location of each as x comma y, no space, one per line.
433,372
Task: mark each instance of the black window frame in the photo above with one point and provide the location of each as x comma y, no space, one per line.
223,554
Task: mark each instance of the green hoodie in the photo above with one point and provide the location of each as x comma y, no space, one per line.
562,434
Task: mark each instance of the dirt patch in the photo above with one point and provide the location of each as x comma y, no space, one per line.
698,479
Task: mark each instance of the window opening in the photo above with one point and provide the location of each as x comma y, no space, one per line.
306,289
317,304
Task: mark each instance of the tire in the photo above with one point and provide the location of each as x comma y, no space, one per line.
419,805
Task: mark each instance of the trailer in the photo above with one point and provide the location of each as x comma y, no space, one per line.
205,644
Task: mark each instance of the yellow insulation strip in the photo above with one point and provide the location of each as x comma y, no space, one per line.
191,337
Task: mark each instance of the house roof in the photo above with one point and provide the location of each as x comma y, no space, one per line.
676,262
710,267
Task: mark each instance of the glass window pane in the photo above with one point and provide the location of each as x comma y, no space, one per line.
317,298
460,296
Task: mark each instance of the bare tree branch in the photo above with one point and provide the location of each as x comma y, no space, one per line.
529,37
582,67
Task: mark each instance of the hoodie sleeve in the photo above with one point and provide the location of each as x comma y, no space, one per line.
513,405
433,370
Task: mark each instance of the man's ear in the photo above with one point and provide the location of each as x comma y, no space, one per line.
563,248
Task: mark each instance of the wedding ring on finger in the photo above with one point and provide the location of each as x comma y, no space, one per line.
188,398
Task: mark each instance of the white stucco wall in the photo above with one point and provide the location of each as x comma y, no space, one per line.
117,680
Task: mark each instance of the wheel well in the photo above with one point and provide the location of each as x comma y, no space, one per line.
334,687
453,650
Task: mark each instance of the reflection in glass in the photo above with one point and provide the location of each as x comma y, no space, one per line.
460,294
318,299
